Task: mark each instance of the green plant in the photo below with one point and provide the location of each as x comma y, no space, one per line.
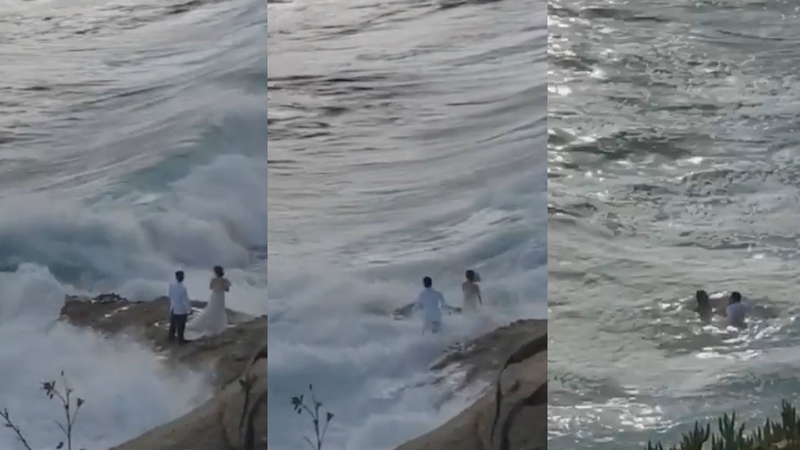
731,436
51,389
299,405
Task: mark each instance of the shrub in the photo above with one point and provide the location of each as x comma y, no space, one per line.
783,435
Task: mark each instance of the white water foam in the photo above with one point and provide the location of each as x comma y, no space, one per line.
112,245
104,372
331,325
51,246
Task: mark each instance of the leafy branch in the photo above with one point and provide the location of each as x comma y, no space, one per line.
300,406
52,391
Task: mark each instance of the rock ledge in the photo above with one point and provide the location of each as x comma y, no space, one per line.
235,418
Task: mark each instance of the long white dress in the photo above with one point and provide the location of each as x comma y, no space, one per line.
214,318
471,296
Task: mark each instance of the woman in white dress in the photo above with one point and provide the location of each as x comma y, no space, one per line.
472,292
213,319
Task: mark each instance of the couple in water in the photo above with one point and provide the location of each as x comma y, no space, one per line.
212,320
432,302
735,312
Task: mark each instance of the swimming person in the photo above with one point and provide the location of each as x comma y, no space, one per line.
703,306
737,311
431,302
472,292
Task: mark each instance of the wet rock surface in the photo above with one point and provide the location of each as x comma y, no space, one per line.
513,413
235,418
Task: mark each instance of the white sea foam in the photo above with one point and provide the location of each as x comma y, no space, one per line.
62,246
132,144
34,347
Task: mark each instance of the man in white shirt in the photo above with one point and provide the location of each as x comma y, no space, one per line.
431,302
179,308
737,311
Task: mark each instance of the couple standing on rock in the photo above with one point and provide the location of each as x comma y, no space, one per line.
212,320
431,301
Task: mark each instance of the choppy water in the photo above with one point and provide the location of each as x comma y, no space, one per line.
673,166
405,139
126,128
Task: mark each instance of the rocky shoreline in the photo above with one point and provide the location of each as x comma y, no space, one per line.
235,418
512,414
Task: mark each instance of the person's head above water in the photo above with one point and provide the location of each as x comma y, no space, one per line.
735,298
471,275
702,298
427,282
179,276
219,271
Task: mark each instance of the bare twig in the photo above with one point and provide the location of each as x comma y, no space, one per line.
50,389
9,424
299,405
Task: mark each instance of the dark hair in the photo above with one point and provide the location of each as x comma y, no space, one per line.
219,271
702,296
427,282
179,275
471,275
736,297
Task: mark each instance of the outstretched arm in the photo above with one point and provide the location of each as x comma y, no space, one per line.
448,308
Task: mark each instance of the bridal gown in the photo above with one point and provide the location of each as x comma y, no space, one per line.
214,318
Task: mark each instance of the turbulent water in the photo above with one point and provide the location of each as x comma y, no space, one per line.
406,138
132,144
673,166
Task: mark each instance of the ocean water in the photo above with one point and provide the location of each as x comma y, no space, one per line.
405,139
132,144
673,166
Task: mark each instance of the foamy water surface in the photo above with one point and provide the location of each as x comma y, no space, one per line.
673,167
405,139
126,128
